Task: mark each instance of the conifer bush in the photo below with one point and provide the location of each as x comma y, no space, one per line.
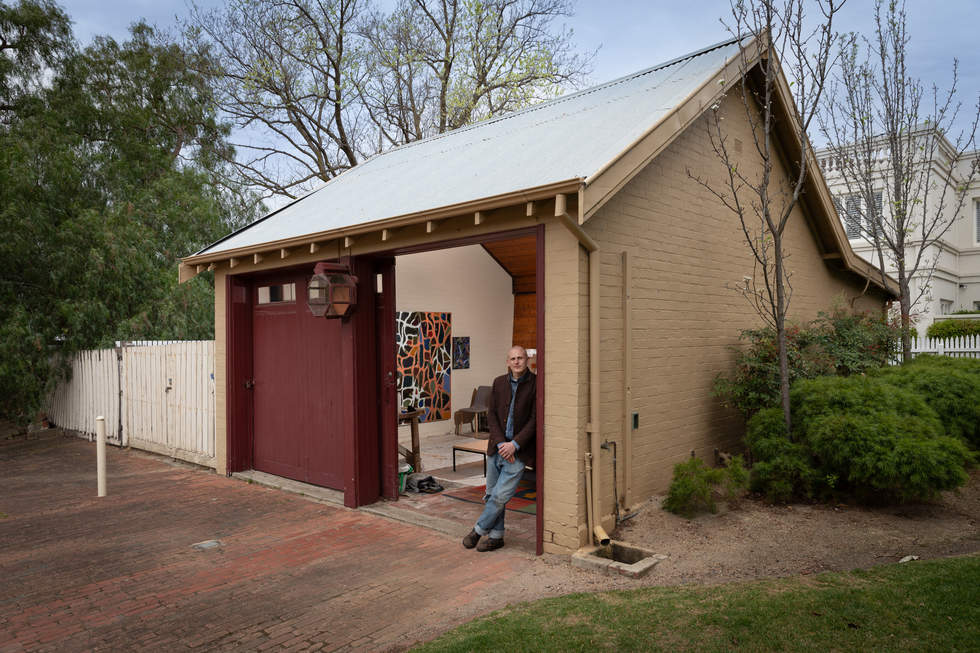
950,386
858,436
782,470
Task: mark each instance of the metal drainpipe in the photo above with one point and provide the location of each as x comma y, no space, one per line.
593,480
594,410
607,445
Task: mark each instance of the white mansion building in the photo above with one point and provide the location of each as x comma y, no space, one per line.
955,282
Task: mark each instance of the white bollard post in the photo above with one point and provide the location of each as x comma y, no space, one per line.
100,453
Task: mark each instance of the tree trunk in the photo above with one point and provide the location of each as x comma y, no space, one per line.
905,305
780,315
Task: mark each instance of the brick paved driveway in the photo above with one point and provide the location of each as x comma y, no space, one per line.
120,573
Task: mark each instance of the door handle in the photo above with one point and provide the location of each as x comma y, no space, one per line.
249,384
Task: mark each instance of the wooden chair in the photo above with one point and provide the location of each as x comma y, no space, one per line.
479,405
413,457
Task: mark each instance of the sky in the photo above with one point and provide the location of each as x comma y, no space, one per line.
633,35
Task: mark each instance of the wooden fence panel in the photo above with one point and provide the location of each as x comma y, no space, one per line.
144,395
166,403
170,399
190,399
91,391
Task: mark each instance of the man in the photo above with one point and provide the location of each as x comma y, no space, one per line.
511,418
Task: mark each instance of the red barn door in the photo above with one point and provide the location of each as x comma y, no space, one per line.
297,394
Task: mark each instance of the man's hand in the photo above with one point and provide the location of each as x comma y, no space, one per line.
506,450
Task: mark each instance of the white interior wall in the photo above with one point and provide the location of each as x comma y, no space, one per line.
468,283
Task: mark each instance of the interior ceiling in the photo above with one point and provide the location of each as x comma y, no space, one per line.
518,257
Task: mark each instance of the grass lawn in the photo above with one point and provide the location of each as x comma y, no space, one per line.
918,606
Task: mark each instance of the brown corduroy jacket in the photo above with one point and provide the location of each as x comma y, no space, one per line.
524,415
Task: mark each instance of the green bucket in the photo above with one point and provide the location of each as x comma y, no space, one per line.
403,471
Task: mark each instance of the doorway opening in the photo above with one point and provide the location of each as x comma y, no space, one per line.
458,310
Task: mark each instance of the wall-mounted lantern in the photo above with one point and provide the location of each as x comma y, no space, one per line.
332,291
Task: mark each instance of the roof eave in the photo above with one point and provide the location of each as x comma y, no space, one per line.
190,264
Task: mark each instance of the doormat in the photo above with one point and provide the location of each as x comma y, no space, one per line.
525,500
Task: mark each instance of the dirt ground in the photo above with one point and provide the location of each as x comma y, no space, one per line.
757,540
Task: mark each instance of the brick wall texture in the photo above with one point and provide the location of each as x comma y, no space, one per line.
687,252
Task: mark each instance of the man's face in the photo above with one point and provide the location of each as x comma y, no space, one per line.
517,361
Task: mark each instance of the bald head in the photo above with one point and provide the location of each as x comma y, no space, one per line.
517,361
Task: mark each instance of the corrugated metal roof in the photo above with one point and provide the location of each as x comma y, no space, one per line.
571,137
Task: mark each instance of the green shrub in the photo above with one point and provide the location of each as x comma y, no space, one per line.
858,435
695,486
856,342
835,343
735,480
950,386
782,470
953,328
965,365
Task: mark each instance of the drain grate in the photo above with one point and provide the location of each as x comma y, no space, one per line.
619,558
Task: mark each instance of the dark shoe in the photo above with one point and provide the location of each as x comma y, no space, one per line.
489,543
429,486
471,539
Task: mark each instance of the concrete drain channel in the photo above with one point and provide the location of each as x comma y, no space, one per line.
618,559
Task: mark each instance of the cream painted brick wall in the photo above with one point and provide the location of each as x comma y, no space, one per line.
686,251
220,386
566,390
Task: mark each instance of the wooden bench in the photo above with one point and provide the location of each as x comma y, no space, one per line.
472,445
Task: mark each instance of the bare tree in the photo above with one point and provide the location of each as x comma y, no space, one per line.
772,31
319,85
889,140
286,73
399,92
437,65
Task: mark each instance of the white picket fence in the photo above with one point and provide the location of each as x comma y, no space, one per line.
156,397
961,347
92,391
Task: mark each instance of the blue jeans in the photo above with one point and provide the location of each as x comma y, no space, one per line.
502,480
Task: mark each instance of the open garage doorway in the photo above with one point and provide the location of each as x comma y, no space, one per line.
458,310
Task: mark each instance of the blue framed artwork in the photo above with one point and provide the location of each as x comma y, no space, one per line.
461,353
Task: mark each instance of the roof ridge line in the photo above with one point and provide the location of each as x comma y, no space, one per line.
561,98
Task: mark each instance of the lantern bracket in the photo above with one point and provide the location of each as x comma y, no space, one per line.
324,266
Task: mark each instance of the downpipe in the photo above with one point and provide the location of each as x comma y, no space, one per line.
595,528
619,516
588,492
601,537
609,444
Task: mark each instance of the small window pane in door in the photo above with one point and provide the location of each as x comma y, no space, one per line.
277,294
